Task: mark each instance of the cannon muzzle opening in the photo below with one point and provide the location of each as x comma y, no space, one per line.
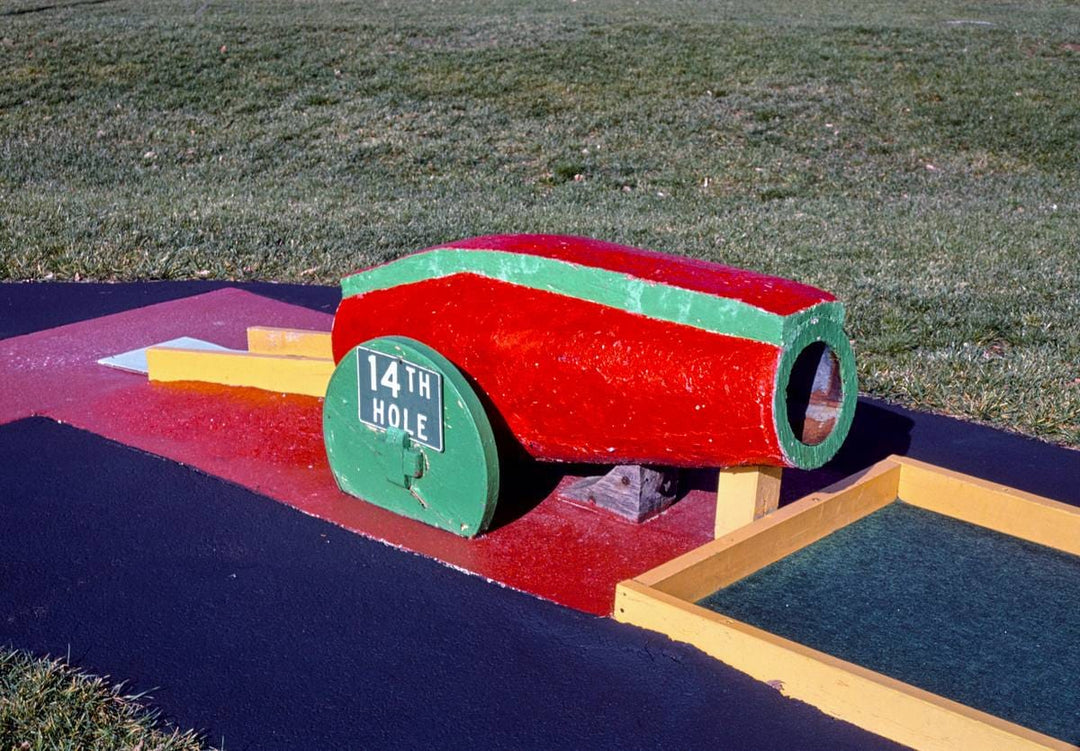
816,391
814,394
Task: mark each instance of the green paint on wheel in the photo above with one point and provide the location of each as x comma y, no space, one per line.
405,431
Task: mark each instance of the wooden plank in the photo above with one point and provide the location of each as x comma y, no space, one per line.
289,375
745,494
266,340
868,699
987,504
727,559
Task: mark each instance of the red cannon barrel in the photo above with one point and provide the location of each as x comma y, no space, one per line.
596,352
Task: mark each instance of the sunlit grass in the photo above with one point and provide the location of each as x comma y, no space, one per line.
918,159
46,705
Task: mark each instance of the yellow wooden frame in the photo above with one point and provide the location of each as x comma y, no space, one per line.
664,598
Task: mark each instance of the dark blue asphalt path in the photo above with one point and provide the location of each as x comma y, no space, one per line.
35,306
274,630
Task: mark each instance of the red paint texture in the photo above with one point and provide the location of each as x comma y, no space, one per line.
770,293
272,444
578,381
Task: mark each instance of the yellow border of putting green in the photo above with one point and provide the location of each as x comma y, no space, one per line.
664,599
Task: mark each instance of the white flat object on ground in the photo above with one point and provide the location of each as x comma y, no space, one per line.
135,360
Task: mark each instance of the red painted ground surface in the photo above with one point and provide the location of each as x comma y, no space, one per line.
272,443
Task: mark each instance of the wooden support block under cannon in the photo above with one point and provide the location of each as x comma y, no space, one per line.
744,494
632,491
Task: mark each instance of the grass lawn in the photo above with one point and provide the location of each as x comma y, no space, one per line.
45,705
920,159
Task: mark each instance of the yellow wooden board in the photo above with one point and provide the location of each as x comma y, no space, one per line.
293,342
744,494
288,375
664,600
729,558
987,504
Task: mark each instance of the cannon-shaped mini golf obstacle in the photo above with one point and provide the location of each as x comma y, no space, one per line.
578,350
587,352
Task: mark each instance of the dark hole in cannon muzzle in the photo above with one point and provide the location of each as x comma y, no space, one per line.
814,394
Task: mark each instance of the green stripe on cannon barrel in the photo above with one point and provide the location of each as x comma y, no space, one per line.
661,301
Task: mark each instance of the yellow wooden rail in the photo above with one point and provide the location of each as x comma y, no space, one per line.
295,342
289,361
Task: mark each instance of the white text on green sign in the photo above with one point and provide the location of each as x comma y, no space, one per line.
396,393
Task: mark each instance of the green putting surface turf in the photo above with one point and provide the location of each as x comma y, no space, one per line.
976,616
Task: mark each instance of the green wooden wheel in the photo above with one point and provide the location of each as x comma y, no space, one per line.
404,430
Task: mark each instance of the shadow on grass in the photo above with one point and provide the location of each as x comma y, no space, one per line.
54,6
